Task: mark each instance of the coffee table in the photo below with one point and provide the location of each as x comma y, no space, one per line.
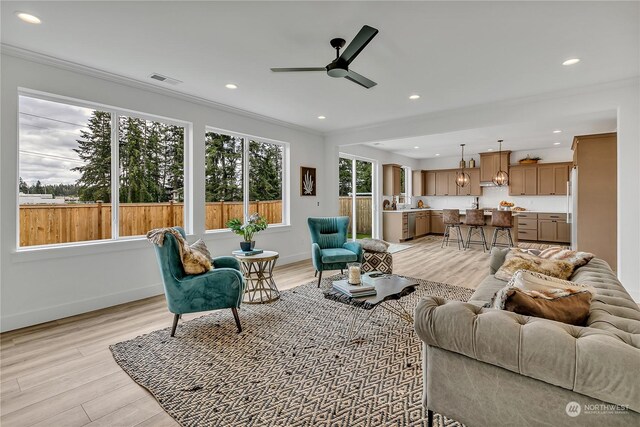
389,291
258,272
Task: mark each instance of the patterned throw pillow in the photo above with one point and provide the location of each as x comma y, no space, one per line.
578,259
518,260
374,245
561,305
201,247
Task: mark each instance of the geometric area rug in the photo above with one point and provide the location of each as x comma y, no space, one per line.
291,366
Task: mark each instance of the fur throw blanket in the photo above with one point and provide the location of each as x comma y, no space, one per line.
195,258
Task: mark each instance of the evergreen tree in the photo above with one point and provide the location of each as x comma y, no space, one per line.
132,135
23,187
223,163
94,149
363,176
265,171
344,177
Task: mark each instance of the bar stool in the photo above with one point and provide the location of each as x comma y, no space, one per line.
475,221
503,222
451,219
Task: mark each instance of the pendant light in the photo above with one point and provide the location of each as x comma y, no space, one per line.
462,178
501,178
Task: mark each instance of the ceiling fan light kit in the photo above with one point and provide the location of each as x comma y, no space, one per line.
339,67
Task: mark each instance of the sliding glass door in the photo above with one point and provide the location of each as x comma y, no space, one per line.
356,194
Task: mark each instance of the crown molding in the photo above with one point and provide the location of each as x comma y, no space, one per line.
44,59
512,102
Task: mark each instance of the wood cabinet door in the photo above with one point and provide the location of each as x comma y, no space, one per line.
430,183
396,180
560,179
530,180
488,166
442,187
546,180
547,230
452,188
387,180
563,232
516,181
475,189
437,224
416,183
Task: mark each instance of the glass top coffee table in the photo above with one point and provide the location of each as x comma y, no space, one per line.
390,289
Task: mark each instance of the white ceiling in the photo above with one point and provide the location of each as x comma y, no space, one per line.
454,54
519,136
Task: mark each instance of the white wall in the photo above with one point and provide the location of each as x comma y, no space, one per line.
624,96
42,285
491,196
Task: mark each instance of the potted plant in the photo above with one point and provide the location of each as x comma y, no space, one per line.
254,224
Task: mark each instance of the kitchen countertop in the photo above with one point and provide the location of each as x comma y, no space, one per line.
463,211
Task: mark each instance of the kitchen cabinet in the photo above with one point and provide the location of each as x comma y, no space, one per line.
527,226
473,188
437,222
417,183
490,164
430,183
391,179
422,223
523,180
552,179
553,228
446,183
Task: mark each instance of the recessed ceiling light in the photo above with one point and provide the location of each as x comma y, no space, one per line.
416,147
490,149
437,154
571,61
231,86
415,96
556,143
321,117
557,131
26,17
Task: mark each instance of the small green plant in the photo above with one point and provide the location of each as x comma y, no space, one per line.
254,224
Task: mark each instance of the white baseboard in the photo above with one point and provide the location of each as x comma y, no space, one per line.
34,317
289,259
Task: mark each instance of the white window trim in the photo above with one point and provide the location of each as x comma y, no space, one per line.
285,178
375,194
115,112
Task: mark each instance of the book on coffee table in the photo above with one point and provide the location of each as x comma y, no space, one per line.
248,253
354,290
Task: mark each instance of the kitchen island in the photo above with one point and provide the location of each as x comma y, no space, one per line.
406,224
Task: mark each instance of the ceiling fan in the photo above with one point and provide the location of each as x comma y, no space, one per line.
339,67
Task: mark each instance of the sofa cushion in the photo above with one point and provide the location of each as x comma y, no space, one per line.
518,260
334,255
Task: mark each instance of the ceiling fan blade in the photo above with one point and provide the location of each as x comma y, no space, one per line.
361,80
359,42
286,70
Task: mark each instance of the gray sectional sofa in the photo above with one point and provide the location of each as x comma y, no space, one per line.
489,367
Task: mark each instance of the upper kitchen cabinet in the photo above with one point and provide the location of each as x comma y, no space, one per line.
553,178
391,179
523,180
429,183
490,164
473,188
417,184
446,183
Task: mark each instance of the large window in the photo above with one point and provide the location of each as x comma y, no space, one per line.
68,156
230,162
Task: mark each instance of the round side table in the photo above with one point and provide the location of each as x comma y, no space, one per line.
258,272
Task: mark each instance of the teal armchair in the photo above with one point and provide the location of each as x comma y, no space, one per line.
219,288
329,247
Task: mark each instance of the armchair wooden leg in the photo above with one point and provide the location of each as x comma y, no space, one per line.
319,278
235,316
315,274
429,418
176,317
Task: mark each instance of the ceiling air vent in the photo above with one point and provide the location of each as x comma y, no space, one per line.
165,79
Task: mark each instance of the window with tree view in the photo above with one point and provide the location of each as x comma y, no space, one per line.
226,156
65,168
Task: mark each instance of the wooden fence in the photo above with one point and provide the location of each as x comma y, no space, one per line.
363,212
49,224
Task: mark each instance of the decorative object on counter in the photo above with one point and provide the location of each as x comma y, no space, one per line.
462,178
254,224
529,160
501,177
386,204
518,209
505,206
476,203
420,204
354,273
472,163
307,181
394,204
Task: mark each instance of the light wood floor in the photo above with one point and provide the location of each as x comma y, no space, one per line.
62,373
